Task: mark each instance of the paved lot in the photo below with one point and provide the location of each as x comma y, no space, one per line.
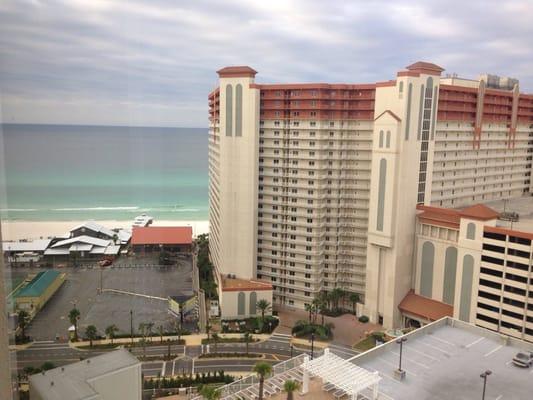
446,365
81,290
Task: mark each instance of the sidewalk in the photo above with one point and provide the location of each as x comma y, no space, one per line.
190,340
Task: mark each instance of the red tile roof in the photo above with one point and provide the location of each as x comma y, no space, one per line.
425,68
479,211
439,216
236,71
452,218
424,307
162,235
237,285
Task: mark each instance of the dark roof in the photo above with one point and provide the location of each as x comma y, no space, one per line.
161,235
236,71
38,284
424,307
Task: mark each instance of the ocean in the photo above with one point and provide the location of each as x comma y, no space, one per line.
63,173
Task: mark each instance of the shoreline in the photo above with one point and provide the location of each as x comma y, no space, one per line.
31,230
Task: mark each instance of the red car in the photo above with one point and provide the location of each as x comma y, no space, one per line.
105,263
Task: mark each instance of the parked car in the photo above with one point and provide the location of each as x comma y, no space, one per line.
105,263
523,359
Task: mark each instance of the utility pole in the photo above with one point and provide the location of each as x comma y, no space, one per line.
312,345
131,326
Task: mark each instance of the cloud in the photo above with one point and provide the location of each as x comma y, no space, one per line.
154,62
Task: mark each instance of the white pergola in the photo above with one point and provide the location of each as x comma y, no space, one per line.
342,374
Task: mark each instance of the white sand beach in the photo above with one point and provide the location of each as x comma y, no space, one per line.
17,230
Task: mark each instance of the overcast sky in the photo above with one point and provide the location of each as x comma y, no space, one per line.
153,62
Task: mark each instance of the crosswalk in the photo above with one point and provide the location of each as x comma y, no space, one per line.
280,338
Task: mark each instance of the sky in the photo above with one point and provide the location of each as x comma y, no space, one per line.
153,62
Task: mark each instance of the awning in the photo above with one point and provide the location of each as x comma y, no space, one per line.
425,308
341,373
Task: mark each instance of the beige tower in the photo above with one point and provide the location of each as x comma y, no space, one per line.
404,128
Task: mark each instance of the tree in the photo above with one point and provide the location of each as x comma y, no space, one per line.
110,332
91,333
23,320
336,294
207,329
73,317
247,339
309,308
210,392
264,306
150,327
354,299
215,340
160,330
262,369
291,386
115,238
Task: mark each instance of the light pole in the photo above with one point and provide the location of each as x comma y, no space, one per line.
484,375
401,341
292,348
131,326
312,345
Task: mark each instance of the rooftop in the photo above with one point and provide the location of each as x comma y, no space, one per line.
521,205
237,284
161,235
74,381
38,284
95,227
452,218
443,360
424,307
236,71
35,245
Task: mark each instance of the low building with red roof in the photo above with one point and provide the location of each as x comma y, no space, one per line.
173,239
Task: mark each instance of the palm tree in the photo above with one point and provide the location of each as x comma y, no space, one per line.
210,392
149,327
215,340
110,332
336,294
207,329
91,333
262,369
160,330
309,308
23,320
73,317
354,299
247,339
290,387
264,306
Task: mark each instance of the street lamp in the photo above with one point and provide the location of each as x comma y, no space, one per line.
484,375
312,345
292,348
401,341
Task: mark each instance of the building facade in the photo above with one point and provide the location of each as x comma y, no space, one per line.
315,186
483,272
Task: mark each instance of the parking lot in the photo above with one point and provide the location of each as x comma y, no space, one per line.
81,290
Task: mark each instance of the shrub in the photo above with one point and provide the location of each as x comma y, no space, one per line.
364,319
303,328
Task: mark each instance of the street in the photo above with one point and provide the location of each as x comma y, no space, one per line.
276,348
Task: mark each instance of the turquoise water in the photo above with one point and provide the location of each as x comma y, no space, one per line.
61,173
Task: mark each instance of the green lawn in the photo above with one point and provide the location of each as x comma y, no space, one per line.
365,344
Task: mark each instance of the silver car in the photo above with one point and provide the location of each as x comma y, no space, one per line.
523,359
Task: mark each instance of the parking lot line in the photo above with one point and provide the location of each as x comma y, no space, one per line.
441,340
493,350
422,353
474,342
413,361
434,347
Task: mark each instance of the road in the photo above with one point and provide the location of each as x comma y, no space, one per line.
276,348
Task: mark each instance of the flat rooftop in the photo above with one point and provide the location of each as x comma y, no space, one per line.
521,205
73,381
443,360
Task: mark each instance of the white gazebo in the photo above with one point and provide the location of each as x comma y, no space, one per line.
341,374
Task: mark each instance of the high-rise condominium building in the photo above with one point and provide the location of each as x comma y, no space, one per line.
315,186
